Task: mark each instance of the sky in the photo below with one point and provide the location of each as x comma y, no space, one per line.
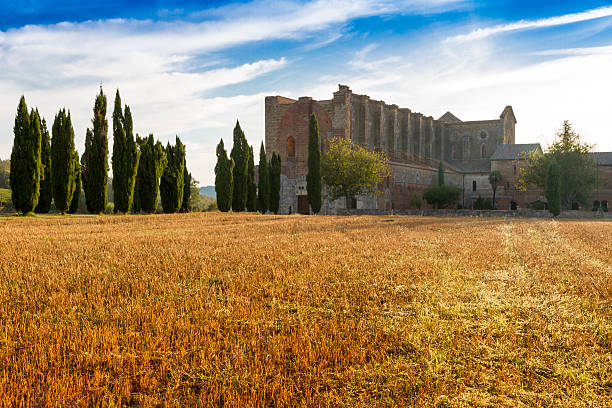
192,68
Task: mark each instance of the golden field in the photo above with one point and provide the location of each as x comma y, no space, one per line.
293,311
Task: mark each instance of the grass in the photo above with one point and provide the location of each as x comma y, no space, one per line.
245,310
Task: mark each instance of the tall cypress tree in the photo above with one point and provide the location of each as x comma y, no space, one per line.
553,188
186,205
25,159
275,182
125,157
171,185
150,168
440,174
224,178
46,191
240,155
252,187
94,162
263,189
64,161
74,204
313,178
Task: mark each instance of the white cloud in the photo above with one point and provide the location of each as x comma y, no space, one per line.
481,33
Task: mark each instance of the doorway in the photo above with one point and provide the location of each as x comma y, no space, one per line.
303,207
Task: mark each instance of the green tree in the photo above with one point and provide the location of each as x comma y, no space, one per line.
186,204
252,193
46,189
263,189
172,179
349,170
151,165
495,178
313,178
224,178
240,155
275,169
74,204
442,195
578,174
125,157
25,159
64,161
417,201
553,188
94,162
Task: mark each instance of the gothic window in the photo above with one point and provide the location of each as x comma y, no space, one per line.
454,152
474,185
483,151
515,169
290,147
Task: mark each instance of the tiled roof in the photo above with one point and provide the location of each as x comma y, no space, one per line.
513,151
472,166
449,118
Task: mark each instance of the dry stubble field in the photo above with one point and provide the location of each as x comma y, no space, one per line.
247,310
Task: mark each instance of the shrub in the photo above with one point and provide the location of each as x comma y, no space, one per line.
442,196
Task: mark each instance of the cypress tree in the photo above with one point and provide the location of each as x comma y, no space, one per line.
172,179
46,191
63,160
252,193
150,168
440,174
125,157
275,180
240,155
25,159
313,178
94,162
553,188
74,204
263,189
224,178
186,206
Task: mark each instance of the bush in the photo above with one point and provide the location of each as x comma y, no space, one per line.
537,205
416,201
442,196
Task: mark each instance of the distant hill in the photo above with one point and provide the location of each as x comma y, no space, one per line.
208,191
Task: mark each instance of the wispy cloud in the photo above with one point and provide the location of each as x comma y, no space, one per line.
481,33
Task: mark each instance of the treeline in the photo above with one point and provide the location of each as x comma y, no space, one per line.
45,166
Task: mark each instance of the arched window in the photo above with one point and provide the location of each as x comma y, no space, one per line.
483,151
453,152
290,147
515,169
474,185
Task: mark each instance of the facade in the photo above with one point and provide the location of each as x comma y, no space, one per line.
415,144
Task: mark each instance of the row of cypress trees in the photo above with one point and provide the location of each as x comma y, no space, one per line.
47,168
235,177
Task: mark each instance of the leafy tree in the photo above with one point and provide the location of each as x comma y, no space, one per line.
577,168
186,204
171,185
349,170
224,178
74,204
150,168
64,161
252,193
417,201
125,157
46,189
94,162
313,178
25,159
240,155
553,188
275,182
495,178
263,189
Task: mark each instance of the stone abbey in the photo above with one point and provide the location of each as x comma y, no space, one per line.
415,144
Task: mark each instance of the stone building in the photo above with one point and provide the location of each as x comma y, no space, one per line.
415,144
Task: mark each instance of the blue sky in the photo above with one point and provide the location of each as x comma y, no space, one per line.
192,68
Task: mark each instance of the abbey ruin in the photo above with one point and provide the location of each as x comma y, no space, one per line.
415,144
